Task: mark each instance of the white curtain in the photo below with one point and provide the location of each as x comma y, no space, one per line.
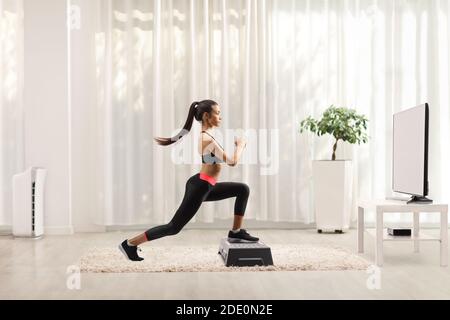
269,64
11,107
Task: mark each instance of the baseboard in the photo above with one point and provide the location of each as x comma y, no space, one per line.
222,224
89,228
67,230
58,230
5,230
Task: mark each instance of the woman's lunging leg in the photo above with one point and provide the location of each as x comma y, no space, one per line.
241,191
224,190
141,238
237,221
194,196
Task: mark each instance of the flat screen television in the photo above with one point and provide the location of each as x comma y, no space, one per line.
410,153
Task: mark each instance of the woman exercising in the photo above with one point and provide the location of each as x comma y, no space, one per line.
202,186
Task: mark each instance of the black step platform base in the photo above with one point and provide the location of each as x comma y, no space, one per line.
245,254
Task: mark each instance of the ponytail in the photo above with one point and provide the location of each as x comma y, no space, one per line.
196,111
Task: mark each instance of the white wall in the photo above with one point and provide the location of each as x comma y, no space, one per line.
46,105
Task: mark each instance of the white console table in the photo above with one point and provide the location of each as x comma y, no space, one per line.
382,206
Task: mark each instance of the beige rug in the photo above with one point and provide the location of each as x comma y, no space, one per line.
206,259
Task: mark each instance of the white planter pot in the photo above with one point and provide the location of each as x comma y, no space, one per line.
332,194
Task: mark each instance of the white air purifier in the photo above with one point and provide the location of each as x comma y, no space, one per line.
28,203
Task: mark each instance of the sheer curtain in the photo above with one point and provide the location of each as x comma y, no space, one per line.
269,64
11,107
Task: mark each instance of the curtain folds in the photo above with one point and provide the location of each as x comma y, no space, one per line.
269,64
11,102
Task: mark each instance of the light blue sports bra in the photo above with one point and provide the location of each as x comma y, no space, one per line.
211,158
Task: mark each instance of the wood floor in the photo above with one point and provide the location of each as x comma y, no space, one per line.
37,269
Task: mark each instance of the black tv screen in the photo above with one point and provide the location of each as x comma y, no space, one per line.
410,151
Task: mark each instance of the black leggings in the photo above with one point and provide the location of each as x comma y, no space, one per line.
197,191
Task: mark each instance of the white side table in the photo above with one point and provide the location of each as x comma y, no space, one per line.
382,206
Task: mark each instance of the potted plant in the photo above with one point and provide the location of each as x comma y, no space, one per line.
333,178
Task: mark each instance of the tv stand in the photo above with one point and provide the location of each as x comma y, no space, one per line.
385,206
419,199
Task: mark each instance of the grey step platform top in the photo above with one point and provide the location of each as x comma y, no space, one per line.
242,245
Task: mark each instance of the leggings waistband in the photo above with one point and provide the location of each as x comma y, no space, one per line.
210,179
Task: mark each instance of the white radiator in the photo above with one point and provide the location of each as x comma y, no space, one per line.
28,202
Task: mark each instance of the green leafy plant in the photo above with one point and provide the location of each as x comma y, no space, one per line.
342,123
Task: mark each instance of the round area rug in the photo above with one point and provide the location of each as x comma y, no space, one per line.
290,257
